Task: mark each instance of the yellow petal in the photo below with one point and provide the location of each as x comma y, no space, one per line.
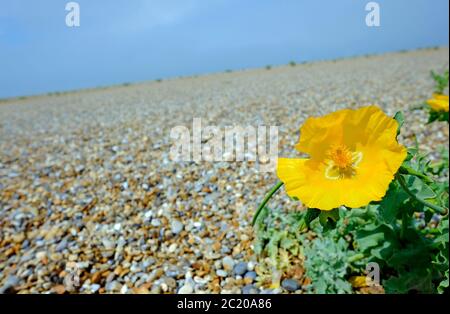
440,97
317,132
291,171
439,102
305,179
358,281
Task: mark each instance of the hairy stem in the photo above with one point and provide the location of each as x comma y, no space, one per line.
405,224
411,171
266,199
439,209
356,257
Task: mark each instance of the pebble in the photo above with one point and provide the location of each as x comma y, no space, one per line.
173,271
221,273
176,226
41,255
225,250
250,275
291,285
113,286
172,248
170,282
62,245
148,262
240,268
11,282
156,222
250,289
108,244
251,266
228,263
117,227
124,289
186,289
148,214
95,287
156,289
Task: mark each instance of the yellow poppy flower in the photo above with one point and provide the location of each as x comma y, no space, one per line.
353,156
438,102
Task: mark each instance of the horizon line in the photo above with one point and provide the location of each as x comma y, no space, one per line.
203,74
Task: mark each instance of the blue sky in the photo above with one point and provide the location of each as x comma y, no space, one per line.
135,40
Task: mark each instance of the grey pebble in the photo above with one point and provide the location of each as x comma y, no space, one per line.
290,285
113,286
251,274
156,222
186,289
176,226
95,287
221,273
148,262
250,289
62,245
173,271
9,284
240,268
108,244
228,262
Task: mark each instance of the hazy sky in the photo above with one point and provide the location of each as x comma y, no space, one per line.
133,40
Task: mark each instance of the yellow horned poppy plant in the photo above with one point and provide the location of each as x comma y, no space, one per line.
353,156
438,102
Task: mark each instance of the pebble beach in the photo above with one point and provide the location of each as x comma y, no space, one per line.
91,202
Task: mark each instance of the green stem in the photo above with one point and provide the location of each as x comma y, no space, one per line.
408,170
439,209
355,258
266,199
405,224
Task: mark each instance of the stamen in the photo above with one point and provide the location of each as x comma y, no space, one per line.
342,162
341,156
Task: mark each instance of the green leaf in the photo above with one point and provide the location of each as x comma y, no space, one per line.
272,246
311,214
411,152
375,236
328,218
327,264
419,280
330,214
441,81
400,118
438,116
414,254
287,243
392,202
421,189
369,240
443,285
343,286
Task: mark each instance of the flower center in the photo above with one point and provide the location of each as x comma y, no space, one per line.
342,162
341,156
